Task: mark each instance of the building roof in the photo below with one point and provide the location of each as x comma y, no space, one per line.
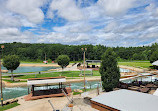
93,61
155,63
46,80
127,100
156,92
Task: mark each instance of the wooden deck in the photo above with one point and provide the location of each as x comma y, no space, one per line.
40,94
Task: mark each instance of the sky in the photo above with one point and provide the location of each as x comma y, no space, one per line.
76,22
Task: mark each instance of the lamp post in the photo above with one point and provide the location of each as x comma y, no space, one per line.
84,50
45,58
2,47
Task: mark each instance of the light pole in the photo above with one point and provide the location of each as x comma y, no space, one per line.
45,58
84,50
2,47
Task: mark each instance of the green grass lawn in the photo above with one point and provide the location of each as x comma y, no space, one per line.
40,61
31,61
55,74
75,93
10,81
76,61
34,62
144,64
5,107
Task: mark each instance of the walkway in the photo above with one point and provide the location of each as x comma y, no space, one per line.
58,103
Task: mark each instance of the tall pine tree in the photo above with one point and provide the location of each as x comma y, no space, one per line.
109,70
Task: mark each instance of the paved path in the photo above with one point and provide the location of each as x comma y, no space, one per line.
80,79
73,68
58,103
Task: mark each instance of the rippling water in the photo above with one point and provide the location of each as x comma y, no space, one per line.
30,69
14,92
9,93
147,79
125,70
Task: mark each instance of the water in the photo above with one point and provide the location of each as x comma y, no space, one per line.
9,93
145,79
125,70
14,92
37,69
30,69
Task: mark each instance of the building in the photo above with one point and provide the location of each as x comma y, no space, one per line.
125,100
47,91
155,64
92,62
156,92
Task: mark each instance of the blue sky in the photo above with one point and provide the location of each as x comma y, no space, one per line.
107,22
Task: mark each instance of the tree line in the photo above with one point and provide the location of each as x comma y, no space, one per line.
37,52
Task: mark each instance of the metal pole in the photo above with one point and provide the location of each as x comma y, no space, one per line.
97,90
70,100
51,105
90,85
28,91
2,46
33,90
1,83
84,50
84,73
45,56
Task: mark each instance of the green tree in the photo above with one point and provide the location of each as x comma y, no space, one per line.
109,70
154,56
32,52
139,56
11,62
63,61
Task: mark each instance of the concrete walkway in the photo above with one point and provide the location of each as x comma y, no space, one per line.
58,103
73,68
80,79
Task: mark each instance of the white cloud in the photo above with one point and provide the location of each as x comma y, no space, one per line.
50,14
9,31
66,9
152,9
6,18
14,34
116,7
26,23
149,35
68,38
29,8
93,12
74,27
107,22
9,21
143,25
111,26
